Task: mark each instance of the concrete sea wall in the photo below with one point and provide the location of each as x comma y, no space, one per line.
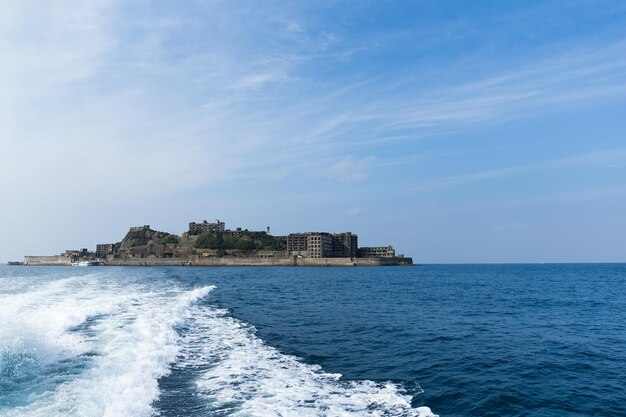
47,260
200,261
194,261
205,261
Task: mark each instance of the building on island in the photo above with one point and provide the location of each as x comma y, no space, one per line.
73,253
140,228
322,245
298,244
104,249
310,244
205,226
377,252
345,245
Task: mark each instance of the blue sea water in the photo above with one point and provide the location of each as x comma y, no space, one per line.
463,340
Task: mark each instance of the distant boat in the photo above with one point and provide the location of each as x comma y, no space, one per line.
84,263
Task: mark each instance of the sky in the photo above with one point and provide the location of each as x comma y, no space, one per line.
483,131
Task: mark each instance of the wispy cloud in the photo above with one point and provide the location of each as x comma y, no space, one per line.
351,169
606,158
560,198
355,211
258,80
229,97
564,80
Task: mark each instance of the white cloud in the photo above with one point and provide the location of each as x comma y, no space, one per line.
355,211
606,158
351,169
295,27
258,80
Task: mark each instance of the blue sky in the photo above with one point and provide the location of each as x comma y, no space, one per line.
457,131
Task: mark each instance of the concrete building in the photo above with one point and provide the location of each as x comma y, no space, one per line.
377,252
237,232
104,249
297,244
323,245
320,245
140,228
73,253
345,245
205,226
310,244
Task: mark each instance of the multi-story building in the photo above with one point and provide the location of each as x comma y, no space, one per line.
377,252
297,244
205,226
310,244
345,245
320,245
74,254
337,245
104,249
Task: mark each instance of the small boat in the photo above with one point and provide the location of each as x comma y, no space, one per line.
84,263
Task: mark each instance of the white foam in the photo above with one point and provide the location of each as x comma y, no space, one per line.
134,355
253,379
135,342
36,322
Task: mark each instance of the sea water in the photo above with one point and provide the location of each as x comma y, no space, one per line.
462,340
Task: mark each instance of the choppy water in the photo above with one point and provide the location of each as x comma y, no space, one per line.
480,340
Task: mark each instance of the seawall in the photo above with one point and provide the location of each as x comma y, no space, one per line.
47,260
202,261
199,261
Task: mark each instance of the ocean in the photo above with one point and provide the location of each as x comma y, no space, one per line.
460,340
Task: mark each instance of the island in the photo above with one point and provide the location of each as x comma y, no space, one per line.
211,244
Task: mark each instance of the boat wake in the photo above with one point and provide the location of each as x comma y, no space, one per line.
240,374
92,346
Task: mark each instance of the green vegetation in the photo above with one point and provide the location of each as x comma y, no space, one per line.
169,239
142,237
138,238
244,240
